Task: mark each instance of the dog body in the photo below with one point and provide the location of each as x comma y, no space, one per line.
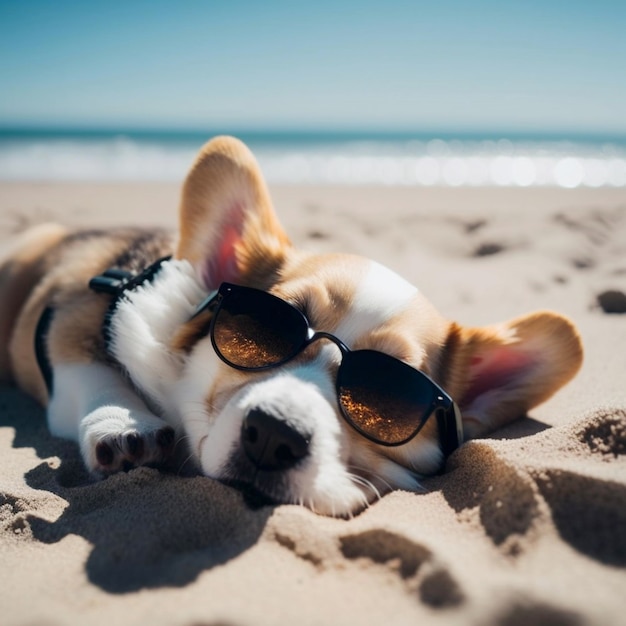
158,379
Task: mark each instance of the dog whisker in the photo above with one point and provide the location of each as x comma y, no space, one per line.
363,482
366,471
180,440
364,485
182,466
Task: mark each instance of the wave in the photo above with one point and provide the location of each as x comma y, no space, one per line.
433,162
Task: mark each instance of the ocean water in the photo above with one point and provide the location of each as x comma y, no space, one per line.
349,158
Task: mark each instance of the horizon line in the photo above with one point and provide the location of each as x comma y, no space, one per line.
304,131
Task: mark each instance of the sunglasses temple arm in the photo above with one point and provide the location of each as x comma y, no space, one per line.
450,425
206,303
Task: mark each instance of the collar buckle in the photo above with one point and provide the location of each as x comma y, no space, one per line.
113,281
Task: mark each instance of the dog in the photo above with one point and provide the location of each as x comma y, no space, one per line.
324,380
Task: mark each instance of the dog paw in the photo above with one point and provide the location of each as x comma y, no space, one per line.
125,451
114,439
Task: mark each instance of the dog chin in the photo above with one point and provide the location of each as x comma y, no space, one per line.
340,474
342,493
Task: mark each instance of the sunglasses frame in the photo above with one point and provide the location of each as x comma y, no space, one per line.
446,411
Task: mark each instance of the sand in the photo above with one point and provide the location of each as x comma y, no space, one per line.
526,527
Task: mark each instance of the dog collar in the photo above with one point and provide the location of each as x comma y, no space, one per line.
118,283
115,282
41,346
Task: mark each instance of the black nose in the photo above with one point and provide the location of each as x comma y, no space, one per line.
270,443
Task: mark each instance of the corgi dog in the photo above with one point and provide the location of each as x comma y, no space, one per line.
324,380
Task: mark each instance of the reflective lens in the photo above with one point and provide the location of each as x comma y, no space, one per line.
383,398
254,330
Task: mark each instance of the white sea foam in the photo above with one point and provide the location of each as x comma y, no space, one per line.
117,159
437,162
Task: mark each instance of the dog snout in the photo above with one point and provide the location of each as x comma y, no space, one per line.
270,443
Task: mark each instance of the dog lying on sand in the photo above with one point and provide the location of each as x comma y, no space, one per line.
324,380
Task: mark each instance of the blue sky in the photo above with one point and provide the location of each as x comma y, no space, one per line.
439,65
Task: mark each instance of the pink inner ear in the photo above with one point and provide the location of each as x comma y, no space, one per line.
496,369
221,265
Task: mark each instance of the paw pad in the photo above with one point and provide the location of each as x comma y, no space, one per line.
104,453
132,449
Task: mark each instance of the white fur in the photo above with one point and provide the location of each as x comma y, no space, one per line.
143,327
380,296
92,401
191,392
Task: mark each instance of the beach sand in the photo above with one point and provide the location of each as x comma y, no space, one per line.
526,527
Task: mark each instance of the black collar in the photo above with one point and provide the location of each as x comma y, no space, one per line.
118,283
115,282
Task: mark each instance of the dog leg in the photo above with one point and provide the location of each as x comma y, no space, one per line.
93,404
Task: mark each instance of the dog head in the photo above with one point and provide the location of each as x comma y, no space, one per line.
281,431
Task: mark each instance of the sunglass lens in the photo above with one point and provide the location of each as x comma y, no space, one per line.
383,398
253,329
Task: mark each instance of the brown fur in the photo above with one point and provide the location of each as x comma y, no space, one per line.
226,175
549,341
189,333
75,332
21,268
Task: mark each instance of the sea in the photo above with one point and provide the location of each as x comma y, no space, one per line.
322,157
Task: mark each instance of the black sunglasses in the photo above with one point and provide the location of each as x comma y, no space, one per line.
384,399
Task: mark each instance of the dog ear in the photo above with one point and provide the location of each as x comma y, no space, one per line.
500,372
228,228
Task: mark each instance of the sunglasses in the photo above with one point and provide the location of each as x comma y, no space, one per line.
384,399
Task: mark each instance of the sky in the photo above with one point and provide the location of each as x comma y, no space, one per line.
447,65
